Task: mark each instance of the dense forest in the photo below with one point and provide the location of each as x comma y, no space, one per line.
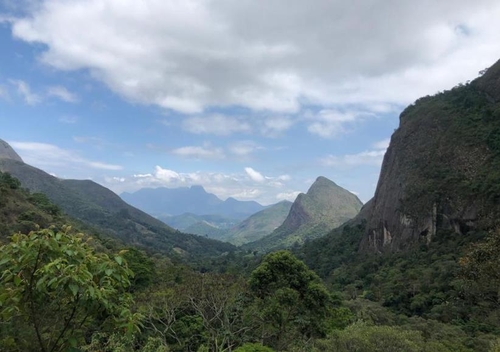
65,291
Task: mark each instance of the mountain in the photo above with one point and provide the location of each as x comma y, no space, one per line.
258,225
204,228
177,201
312,215
187,220
437,203
96,205
6,152
441,170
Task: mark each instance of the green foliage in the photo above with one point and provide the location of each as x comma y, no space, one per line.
253,347
479,269
290,300
61,288
142,267
7,180
360,337
102,342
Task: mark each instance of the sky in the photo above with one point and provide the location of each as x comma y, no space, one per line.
251,99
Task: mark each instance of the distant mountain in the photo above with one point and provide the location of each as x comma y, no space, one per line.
177,201
258,225
312,215
204,228
101,208
187,220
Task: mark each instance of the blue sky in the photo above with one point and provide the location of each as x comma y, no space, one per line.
250,99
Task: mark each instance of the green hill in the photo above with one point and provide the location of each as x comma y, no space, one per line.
312,215
258,225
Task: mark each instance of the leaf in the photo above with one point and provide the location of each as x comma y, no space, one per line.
109,272
72,342
119,260
73,288
4,260
17,280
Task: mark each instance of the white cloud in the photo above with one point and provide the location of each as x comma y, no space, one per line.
244,148
383,144
370,157
330,123
215,124
62,93
288,195
275,126
254,175
224,185
48,155
193,55
24,90
197,152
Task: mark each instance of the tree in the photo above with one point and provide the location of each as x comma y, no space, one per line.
55,282
479,269
290,300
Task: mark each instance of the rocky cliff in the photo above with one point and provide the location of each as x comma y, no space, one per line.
441,170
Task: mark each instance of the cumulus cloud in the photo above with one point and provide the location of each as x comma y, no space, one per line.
48,155
62,93
192,55
24,90
254,175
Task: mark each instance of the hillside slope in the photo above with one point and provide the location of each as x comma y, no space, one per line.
98,206
258,225
312,215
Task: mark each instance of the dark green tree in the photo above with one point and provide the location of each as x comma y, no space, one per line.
291,302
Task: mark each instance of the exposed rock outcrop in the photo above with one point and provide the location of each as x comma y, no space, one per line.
6,152
441,168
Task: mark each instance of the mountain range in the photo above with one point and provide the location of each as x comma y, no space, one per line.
162,202
99,207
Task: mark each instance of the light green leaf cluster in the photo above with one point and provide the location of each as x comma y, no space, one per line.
56,282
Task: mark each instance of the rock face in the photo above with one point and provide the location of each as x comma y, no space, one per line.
312,215
6,152
441,170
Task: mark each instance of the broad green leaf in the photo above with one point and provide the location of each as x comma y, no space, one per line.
74,289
